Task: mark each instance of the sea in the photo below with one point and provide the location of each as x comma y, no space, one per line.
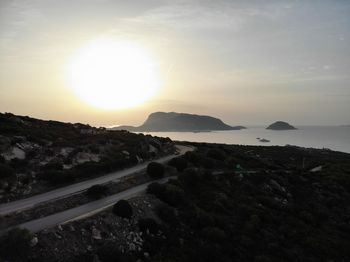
336,138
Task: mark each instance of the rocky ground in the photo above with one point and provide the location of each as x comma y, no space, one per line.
83,238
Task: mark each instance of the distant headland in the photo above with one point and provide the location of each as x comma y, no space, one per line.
179,122
280,125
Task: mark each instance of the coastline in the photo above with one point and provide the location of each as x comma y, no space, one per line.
335,138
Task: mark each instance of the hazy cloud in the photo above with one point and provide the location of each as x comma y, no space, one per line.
232,50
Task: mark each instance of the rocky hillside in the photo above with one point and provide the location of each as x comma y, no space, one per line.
36,155
227,203
180,122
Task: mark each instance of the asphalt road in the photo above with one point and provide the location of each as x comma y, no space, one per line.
84,210
62,192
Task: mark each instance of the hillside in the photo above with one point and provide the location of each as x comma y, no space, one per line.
36,155
179,122
226,203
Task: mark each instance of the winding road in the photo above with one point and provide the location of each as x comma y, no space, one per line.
63,192
86,210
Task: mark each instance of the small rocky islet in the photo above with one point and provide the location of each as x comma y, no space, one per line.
281,125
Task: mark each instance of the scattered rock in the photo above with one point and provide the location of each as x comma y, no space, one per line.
83,232
132,247
34,241
139,159
13,153
96,234
83,157
96,258
126,153
277,186
58,236
152,149
316,169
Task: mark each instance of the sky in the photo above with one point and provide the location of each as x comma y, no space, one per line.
246,62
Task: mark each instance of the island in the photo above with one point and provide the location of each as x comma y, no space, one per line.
179,122
280,125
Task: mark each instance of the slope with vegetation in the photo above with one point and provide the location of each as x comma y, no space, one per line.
36,155
263,206
228,203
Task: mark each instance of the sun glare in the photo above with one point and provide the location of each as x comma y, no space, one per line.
113,74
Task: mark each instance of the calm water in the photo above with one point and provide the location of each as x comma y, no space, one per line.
332,137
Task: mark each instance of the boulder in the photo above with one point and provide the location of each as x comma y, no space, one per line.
96,234
34,241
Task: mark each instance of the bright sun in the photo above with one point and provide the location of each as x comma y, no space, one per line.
113,74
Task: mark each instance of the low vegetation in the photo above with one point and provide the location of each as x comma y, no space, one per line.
179,163
97,191
166,213
123,209
155,170
149,225
15,245
266,208
170,193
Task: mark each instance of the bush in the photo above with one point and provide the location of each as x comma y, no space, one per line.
54,166
97,191
192,157
148,224
174,195
190,177
199,218
214,234
155,170
20,165
155,189
166,213
6,171
90,169
207,162
179,163
15,244
57,177
169,193
109,252
123,209
216,154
